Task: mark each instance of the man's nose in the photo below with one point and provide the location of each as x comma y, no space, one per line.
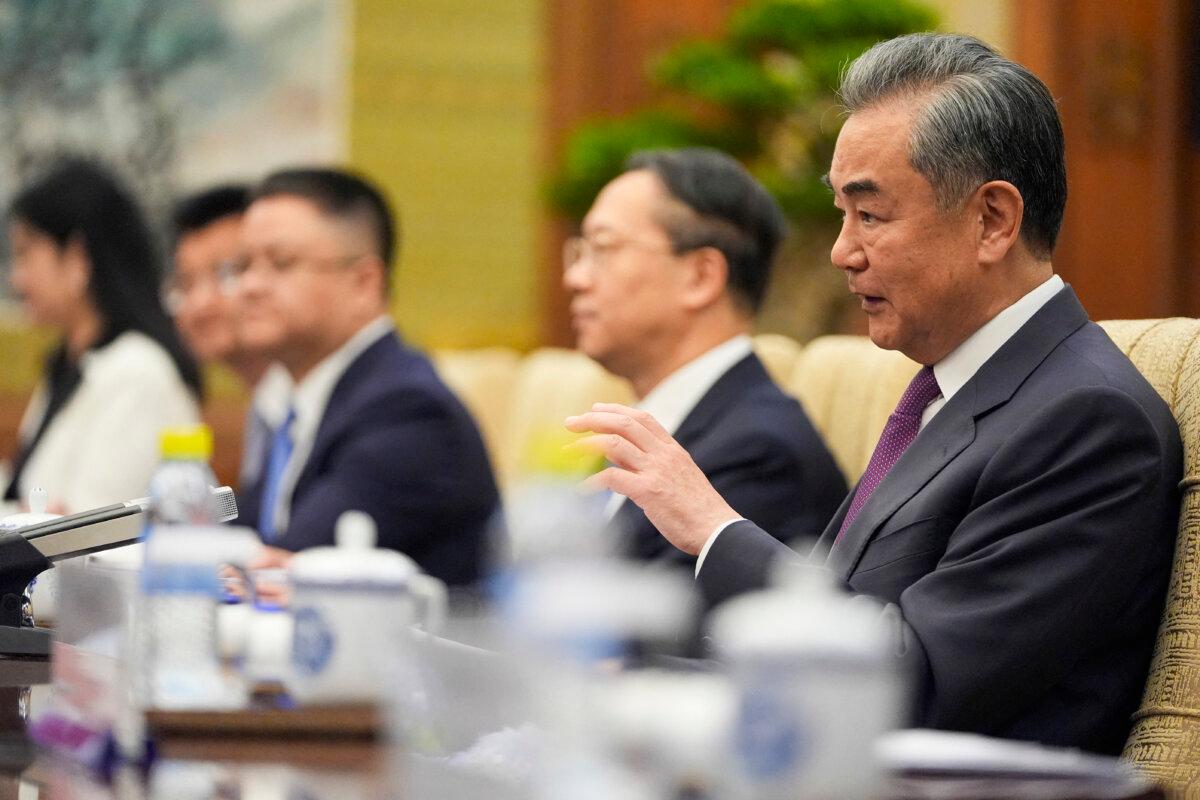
250,282
847,252
576,277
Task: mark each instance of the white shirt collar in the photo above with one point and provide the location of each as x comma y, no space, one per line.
272,394
676,395
953,371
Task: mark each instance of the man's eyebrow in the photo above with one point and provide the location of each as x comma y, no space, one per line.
865,186
594,228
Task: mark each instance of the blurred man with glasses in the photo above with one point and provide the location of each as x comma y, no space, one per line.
672,264
200,296
369,426
207,228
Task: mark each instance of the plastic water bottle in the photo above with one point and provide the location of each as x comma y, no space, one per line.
181,487
571,603
181,665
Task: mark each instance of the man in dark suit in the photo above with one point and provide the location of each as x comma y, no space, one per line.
673,262
1019,511
369,426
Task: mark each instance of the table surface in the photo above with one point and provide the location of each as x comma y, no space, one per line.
254,766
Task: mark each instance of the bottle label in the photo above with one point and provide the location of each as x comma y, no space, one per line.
167,578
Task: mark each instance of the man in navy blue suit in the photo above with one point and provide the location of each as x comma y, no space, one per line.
671,266
369,425
1018,514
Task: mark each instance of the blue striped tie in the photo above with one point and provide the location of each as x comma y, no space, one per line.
281,452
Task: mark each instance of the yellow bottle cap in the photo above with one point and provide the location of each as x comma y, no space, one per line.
192,441
552,452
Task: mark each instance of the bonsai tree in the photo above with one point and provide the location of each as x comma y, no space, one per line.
766,94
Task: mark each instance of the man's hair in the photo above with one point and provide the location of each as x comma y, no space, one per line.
982,117
342,195
726,209
203,208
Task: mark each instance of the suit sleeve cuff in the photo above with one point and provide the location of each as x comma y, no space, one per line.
712,538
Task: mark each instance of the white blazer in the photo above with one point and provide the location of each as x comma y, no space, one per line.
103,445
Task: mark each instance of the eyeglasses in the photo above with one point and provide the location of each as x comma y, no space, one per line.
179,287
600,253
278,265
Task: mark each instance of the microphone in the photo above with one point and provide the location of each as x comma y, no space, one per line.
104,528
26,552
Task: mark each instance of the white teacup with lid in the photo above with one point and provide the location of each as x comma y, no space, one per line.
818,682
354,606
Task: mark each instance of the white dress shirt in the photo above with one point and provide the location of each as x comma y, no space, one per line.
677,395
308,400
953,371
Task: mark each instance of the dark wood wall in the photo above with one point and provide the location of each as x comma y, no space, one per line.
1122,73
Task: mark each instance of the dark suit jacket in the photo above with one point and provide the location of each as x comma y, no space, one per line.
1026,537
396,443
758,448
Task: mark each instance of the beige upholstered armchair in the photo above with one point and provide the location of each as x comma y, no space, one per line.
1165,741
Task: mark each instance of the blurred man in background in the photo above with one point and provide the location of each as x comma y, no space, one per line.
665,281
369,425
200,295
208,228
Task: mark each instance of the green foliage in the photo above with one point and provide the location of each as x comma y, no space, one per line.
726,77
765,92
598,150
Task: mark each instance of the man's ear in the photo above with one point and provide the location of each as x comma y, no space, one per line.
707,277
371,276
1001,209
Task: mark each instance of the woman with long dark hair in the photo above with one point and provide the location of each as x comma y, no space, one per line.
84,263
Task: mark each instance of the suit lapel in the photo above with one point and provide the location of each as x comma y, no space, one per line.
716,402
341,407
953,428
946,435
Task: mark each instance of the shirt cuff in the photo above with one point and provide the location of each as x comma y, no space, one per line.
712,538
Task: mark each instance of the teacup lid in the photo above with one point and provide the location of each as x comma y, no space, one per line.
809,616
355,559
35,514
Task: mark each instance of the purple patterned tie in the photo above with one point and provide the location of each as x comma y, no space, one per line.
902,427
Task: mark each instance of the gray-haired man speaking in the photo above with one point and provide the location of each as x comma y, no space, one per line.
1019,508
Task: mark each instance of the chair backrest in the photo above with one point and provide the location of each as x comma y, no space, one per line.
553,383
483,379
779,355
848,387
1165,741
517,398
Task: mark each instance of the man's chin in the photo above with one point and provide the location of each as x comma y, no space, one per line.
588,346
266,344
883,337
